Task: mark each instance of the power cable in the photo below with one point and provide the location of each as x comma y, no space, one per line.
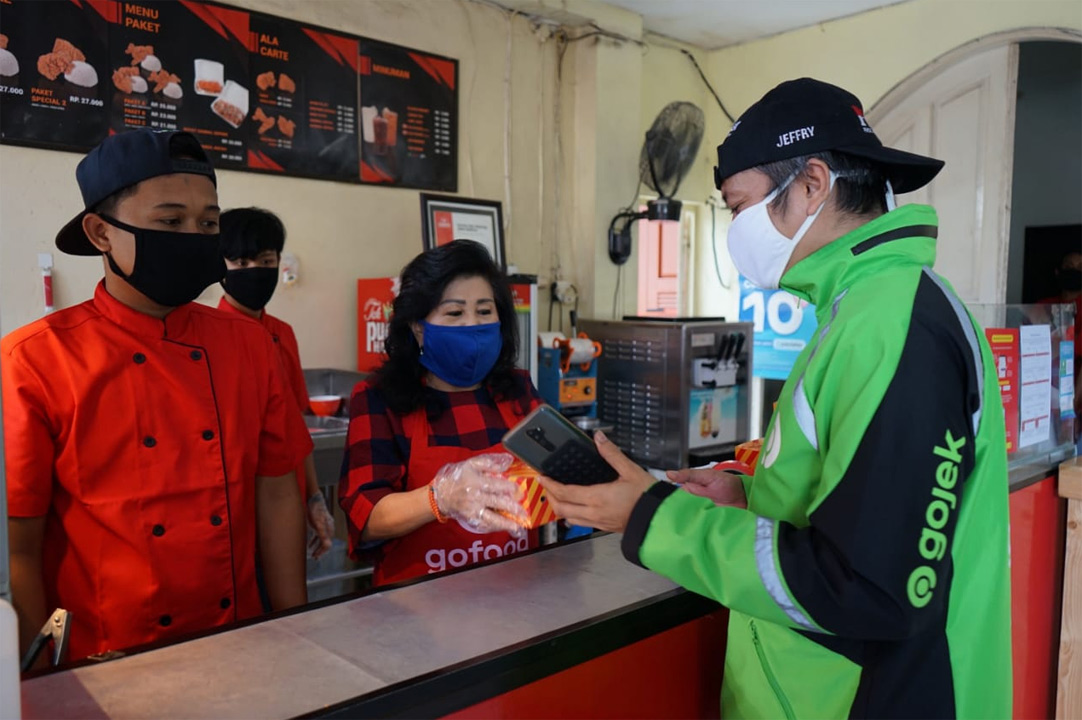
708,85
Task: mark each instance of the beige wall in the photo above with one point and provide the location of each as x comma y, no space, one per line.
870,53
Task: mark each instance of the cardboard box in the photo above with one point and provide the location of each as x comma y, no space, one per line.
748,453
533,495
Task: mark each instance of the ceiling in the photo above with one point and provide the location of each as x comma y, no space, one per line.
711,24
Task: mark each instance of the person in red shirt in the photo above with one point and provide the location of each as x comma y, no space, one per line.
252,240
148,452
425,429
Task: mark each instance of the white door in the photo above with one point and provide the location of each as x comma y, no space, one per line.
963,115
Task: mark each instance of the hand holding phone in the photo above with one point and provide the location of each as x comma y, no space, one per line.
549,443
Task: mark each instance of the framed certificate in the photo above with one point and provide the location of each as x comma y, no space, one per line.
446,217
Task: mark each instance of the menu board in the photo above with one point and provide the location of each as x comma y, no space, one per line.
408,117
304,118
54,73
260,93
180,65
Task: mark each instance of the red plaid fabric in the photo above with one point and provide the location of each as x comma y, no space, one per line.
378,449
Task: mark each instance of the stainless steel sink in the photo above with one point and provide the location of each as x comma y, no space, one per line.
324,424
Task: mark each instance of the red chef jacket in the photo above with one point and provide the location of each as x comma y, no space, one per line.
290,353
139,440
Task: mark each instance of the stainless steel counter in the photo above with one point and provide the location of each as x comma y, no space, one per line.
370,646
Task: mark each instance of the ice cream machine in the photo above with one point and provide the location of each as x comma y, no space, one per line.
567,373
676,392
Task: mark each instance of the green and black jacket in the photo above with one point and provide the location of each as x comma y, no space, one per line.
869,575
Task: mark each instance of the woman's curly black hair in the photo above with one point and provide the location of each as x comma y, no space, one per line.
423,282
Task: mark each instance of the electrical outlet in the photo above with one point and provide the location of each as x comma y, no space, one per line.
564,291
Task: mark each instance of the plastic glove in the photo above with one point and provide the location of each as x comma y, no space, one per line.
476,494
322,522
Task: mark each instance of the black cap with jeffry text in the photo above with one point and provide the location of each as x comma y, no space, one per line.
806,116
124,160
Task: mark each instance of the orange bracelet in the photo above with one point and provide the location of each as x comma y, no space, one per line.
434,506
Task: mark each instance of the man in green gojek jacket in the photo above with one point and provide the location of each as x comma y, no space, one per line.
865,563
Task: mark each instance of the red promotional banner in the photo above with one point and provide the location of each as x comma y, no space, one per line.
445,231
1005,353
375,297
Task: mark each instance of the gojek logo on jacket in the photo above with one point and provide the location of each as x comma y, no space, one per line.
933,542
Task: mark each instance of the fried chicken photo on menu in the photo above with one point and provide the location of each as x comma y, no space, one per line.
163,78
128,80
265,80
61,60
286,84
144,57
285,125
266,122
138,52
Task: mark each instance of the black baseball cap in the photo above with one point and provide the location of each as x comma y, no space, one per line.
806,116
122,161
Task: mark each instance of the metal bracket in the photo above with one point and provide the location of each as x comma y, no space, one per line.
56,628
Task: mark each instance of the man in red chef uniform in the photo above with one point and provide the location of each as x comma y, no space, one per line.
150,441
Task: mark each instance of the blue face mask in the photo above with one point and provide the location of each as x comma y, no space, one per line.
461,355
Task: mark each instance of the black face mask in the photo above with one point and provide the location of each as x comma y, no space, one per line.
1070,279
171,268
252,287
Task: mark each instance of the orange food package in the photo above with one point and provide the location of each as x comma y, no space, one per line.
286,125
286,84
533,499
748,453
265,80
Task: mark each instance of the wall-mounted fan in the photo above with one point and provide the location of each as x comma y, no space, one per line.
668,153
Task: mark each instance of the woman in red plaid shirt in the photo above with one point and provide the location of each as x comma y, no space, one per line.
425,429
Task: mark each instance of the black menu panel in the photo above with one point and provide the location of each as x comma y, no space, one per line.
181,65
54,72
408,117
304,102
261,93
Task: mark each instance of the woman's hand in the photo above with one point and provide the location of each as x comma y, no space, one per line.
606,506
721,487
322,522
476,493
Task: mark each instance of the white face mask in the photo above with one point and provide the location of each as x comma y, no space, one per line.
759,251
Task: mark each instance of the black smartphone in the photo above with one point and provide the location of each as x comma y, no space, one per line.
549,443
